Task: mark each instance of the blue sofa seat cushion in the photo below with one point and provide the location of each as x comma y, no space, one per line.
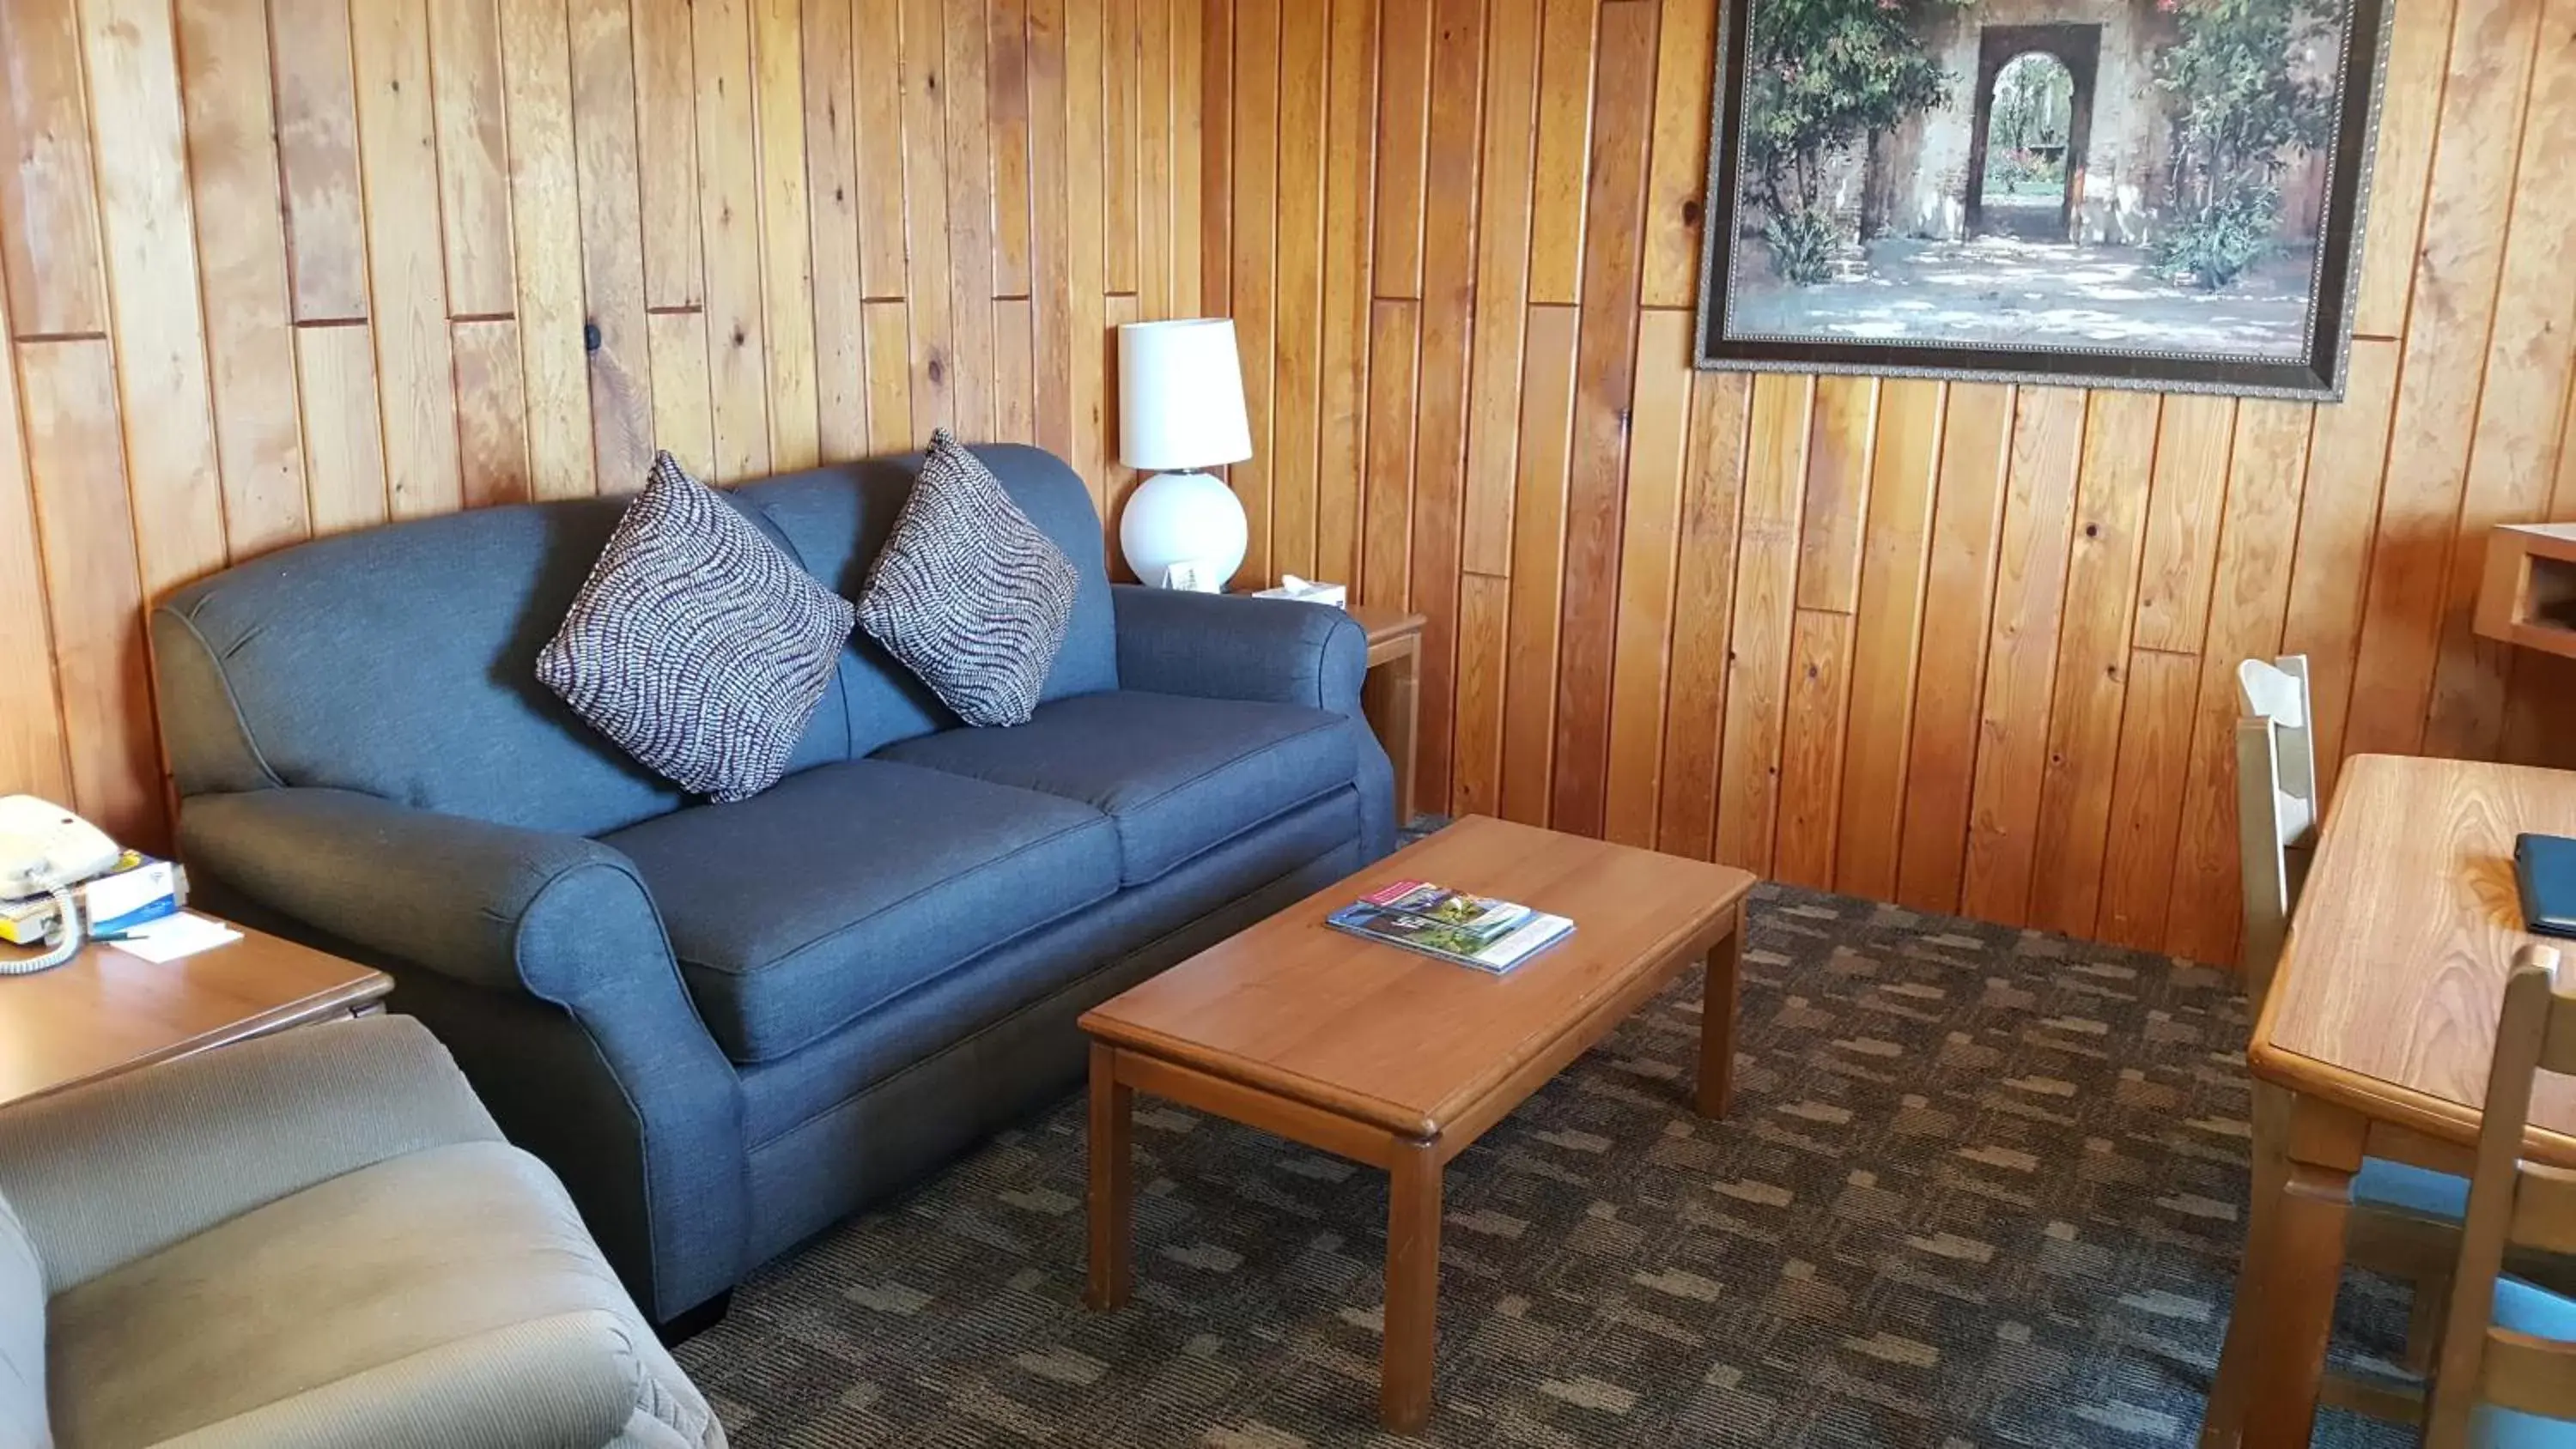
841,888
1179,775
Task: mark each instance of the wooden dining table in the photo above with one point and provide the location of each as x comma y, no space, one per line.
2380,1025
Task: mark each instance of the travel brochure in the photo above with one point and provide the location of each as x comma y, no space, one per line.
1476,932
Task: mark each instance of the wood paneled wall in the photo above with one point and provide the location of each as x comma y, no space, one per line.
277,268
1966,647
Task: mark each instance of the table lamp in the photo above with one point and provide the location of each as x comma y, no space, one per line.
1180,410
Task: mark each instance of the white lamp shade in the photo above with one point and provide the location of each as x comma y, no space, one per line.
1180,395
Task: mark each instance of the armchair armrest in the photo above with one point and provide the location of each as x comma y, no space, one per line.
630,1101
568,1379
107,1173
1234,646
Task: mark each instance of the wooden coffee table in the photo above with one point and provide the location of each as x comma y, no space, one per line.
1400,1061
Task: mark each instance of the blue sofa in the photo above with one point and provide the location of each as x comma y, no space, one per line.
726,1026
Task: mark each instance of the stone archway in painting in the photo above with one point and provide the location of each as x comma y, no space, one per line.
2078,48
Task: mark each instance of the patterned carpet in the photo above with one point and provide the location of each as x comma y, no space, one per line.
1980,1187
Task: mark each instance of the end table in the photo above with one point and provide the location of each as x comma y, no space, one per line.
1392,697
107,1011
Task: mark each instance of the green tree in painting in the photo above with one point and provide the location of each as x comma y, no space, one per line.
2249,97
1824,75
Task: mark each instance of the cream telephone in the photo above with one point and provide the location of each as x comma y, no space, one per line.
46,850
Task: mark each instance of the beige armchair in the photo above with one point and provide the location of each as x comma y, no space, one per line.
316,1239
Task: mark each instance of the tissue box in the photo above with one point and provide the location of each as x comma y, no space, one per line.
1310,592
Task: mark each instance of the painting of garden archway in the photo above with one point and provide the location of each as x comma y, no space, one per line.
2148,193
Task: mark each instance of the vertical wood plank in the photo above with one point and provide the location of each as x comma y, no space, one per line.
1091,343
1015,384
2092,662
154,308
1448,328
890,414
2021,659
2347,457
1349,174
1297,288
1605,371
620,367
879,81
1484,683
684,422
49,246
786,232
1395,328
1766,589
536,79
1215,131
1157,223
666,113
2192,443
317,154
407,278
2245,618
729,219
2146,797
1403,138
491,412
1838,472
837,208
1950,680
1119,203
1051,211
32,759
1684,68
1006,108
68,391
1649,548
241,264
1502,275
1254,205
2410,102
968,166
1817,710
473,155
335,373
1886,632
1538,557
1563,150
1703,611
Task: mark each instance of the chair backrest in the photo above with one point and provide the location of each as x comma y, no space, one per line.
2276,806
2513,1205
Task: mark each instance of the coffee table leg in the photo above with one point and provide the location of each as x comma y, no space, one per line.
1112,1105
1412,1287
1717,1021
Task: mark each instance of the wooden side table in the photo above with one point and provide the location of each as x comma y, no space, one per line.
108,1011
1392,697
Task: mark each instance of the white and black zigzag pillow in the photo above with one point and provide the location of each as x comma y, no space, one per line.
696,644
968,593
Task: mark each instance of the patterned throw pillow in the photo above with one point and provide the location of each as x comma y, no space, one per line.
696,644
969,594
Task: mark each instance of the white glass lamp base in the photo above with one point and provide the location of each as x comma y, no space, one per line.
1176,518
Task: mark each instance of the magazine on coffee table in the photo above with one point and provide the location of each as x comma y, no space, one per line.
1477,932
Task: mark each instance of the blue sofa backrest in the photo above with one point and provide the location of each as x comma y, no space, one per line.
401,661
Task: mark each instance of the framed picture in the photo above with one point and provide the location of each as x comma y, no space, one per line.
2130,193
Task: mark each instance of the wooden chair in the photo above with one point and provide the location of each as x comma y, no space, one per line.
2404,1222
2507,1367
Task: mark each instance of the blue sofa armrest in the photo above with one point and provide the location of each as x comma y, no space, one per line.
1234,646
522,919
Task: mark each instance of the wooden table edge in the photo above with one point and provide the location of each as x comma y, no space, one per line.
2384,1101
345,997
